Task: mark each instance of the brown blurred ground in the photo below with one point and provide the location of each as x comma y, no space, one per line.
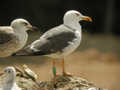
100,66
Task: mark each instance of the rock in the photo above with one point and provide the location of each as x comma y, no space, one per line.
59,83
69,83
30,73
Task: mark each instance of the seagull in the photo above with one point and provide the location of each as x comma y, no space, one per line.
9,79
13,37
59,41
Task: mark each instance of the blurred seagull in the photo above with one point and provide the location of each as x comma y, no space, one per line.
13,37
60,41
8,82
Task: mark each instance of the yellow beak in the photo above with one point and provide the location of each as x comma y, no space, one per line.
87,18
33,28
30,27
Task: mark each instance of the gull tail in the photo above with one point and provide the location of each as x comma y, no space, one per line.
23,52
29,52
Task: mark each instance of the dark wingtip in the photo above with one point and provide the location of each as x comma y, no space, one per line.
14,54
30,53
21,53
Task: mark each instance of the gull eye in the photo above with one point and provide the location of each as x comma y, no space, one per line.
25,23
9,71
77,14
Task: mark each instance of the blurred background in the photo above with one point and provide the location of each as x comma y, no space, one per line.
97,58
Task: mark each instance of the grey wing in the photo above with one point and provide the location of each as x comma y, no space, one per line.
6,37
53,41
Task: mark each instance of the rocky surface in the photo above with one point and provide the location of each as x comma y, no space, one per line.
58,83
69,83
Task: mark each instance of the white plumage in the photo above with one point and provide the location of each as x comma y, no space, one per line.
8,80
13,37
59,41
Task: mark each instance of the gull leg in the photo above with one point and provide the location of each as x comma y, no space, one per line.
54,73
54,69
63,69
63,66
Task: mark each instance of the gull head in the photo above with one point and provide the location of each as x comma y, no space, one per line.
21,24
75,16
9,74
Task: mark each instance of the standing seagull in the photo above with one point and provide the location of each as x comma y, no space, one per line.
13,37
8,82
60,41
